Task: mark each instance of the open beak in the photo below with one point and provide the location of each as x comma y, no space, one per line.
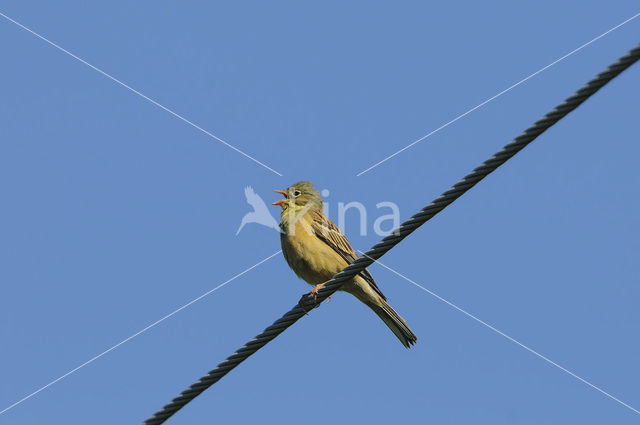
281,201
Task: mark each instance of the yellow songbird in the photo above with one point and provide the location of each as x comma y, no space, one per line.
316,250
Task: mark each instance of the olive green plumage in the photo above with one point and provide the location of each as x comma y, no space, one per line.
316,250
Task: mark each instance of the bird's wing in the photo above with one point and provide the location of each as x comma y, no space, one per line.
254,199
329,233
250,194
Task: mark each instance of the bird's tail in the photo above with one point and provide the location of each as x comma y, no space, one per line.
393,320
241,226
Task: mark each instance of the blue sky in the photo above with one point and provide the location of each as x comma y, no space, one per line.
116,213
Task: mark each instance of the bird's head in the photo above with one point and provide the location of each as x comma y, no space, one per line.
299,196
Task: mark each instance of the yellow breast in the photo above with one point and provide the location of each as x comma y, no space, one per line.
309,257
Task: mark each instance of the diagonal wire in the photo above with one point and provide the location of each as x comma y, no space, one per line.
480,105
515,341
141,331
131,89
405,229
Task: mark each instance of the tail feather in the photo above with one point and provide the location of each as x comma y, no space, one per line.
393,320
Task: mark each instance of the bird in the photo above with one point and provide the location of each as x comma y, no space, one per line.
260,213
316,250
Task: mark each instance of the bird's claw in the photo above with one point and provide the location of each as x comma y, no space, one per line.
312,294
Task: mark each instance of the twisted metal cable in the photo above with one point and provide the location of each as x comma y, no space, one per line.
405,229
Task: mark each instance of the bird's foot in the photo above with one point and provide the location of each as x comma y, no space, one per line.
312,294
314,291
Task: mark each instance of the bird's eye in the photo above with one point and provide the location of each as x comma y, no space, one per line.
296,193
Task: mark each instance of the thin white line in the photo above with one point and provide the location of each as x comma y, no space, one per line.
138,333
497,95
140,94
506,336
